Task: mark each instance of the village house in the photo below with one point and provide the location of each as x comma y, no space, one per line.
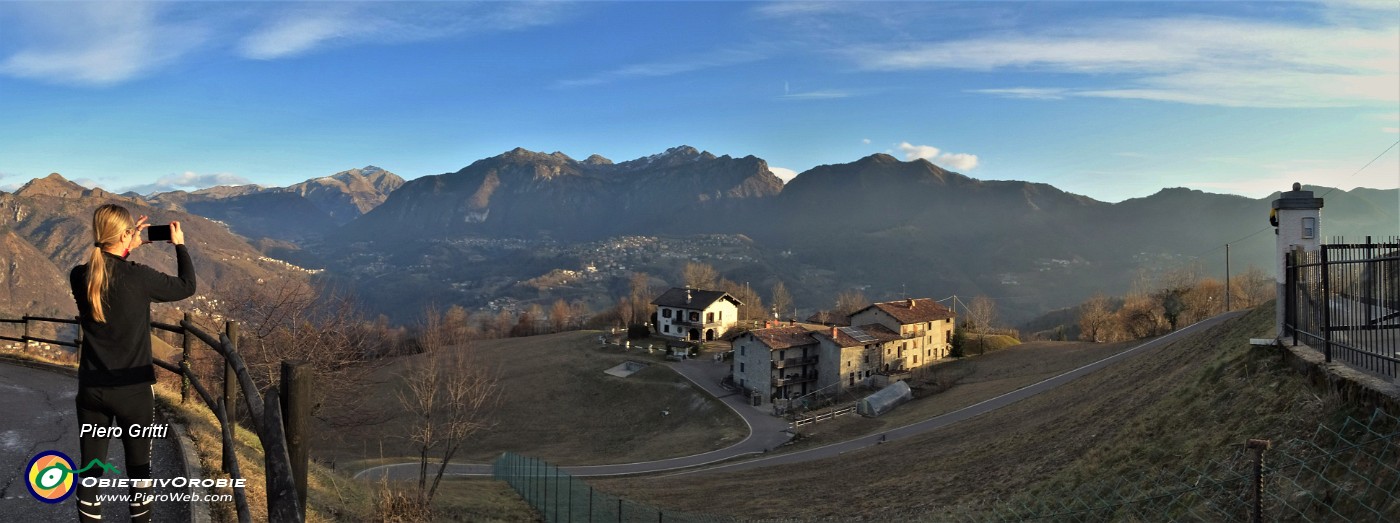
858,354
776,362
925,328
885,342
695,314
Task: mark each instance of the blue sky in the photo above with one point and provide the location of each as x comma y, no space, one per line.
1112,100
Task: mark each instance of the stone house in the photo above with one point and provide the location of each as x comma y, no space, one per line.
924,326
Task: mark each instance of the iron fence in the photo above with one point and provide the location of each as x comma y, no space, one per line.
1345,300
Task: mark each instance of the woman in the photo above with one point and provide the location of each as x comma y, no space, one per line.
114,368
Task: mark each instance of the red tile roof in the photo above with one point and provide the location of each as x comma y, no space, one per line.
778,338
913,310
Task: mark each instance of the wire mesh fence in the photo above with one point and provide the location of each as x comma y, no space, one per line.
559,496
1346,472
1350,473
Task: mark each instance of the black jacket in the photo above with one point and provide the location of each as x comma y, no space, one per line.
118,352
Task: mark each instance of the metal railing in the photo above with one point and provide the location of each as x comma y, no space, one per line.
793,362
1345,300
279,418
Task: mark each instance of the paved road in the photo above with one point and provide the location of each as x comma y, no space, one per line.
765,433
768,432
37,414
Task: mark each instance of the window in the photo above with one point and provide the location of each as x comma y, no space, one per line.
782,354
709,317
916,360
666,329
665,313
867,358
741,366
694,316
947,336
741,349
1309,227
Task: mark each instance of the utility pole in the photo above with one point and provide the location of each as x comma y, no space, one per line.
1227,277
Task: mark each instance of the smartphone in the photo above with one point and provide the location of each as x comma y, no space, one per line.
158,233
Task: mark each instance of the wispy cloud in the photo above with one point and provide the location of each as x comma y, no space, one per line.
107,43
305,28
827,94
1208,61
99,43
187,181
959,161
661,68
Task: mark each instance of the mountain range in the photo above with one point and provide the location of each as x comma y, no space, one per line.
498,227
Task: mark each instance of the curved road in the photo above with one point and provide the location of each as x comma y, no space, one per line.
767,431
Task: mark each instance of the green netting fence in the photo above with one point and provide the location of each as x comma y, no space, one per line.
559,496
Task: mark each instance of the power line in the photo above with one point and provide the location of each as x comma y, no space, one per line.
1329,191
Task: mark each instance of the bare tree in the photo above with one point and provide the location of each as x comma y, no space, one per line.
1095,317
848,302
699,275
782,300
981,313
751,305
447,395
1251,288
639,293
289,319
559,314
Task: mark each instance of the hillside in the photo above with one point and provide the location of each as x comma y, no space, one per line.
1194,401
46,227
553,385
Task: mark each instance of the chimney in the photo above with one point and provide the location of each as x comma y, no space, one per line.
911,303
687,296
833,332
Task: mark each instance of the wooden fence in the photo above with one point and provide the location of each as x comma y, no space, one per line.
279,418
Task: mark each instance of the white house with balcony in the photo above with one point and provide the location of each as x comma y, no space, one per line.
695,314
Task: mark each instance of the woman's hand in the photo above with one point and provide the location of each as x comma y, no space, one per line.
177,234
136,240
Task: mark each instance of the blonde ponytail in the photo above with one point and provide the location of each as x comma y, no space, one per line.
108,223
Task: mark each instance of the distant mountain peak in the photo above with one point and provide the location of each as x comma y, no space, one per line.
598,160
52,185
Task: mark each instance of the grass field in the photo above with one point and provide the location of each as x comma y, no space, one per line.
1195,399
558,405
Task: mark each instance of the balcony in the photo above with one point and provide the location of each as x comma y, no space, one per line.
794,362
783,382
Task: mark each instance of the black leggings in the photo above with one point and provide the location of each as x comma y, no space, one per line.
127,405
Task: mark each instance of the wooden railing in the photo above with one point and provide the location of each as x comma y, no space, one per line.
278,418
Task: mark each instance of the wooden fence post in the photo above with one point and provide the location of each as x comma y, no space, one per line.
296,409
282,501
186,342
230,390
